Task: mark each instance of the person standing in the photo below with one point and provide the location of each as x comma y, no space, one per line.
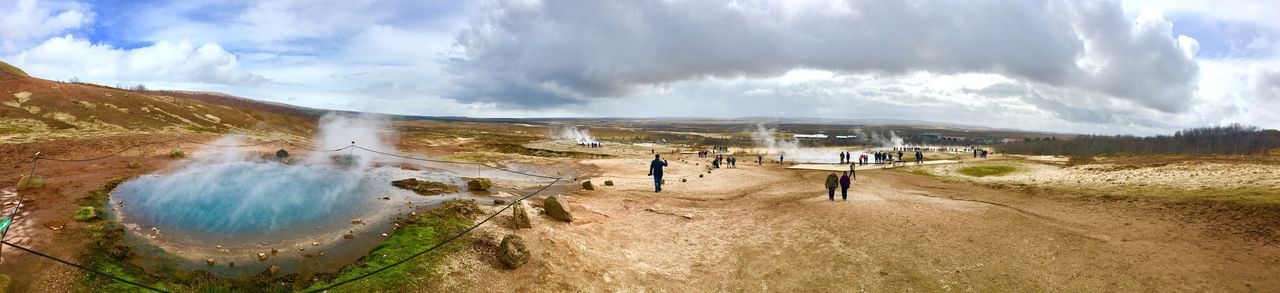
759,160
655,170
844,185
842,157
919,157
832,182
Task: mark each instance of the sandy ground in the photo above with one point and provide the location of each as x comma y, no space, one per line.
769,229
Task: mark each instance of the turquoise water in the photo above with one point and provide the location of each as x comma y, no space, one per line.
240,199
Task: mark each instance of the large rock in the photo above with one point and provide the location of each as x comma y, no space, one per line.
30,182
512,252
479,184
557,207
6,283
520,216
587,185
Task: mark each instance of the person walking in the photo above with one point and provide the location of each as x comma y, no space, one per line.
842,157
919,157
759,160
832,182
844,185
655,170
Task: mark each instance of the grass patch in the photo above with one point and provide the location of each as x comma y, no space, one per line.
510,148
14,130
987,170
419,234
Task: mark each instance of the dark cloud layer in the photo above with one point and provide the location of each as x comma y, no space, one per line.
549,53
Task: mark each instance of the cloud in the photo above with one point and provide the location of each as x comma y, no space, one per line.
25,21
548,53
66,57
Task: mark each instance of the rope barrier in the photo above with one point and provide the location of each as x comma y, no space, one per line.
81,267
36,158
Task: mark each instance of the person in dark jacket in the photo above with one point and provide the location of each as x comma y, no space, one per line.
655,170
832,182
844,186
919,157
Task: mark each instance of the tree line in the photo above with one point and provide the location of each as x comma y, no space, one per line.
1234,139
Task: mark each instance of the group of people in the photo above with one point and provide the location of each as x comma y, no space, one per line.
843,182
730,161
594,145
979,153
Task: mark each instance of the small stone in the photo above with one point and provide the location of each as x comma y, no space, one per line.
608,183
322,253
384,235
210,261
587,185
262,256
348,236
315,243
479,184
231,264
687,216
274,269
700,175
357,222
684,180
274,251
499,202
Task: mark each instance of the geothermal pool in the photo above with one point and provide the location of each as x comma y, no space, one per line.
229,211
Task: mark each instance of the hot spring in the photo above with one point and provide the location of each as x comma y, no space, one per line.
230,211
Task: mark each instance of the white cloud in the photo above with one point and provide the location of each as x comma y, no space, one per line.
25,21
67,57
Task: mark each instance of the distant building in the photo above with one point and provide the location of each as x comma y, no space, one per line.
810,136
953,138
846,137
1009,140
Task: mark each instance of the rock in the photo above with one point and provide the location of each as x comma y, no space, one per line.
274,269
499,202
348,236
684,180
274,251
424,187
587,185
608,183
520,216
231,264
134,164
282,154
177,152
557,207
687,216
357,222
28,183
512,251
210,262
700,175
479,184
85,214
315,243
262,256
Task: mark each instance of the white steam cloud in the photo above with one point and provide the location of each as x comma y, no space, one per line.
571,133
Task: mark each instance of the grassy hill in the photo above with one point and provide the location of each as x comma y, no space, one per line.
37,109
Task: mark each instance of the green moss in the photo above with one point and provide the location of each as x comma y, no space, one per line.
85,214
423,232
987,170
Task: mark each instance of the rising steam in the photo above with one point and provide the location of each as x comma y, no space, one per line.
570,133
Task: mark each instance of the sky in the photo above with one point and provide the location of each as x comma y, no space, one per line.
1075,66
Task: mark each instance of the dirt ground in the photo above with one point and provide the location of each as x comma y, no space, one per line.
770,229
765,228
